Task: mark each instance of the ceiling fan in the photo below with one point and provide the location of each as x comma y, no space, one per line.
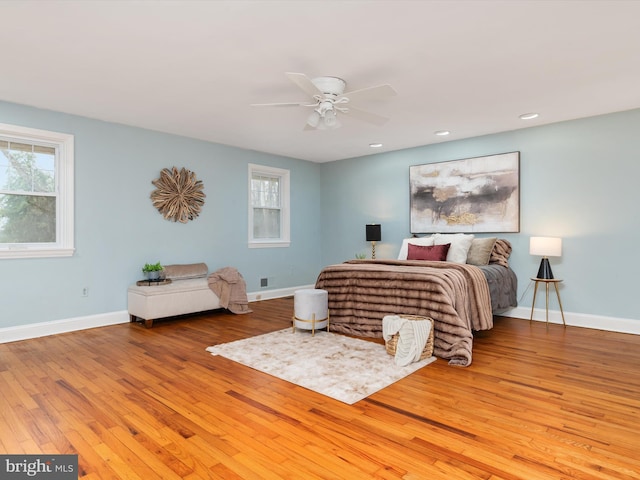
329,99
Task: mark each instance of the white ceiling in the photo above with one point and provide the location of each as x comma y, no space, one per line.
194,67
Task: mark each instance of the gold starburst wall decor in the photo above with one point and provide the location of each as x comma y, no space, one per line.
178,195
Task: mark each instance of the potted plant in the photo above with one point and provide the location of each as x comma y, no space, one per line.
152,271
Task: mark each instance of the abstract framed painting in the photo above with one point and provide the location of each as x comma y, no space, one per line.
472,195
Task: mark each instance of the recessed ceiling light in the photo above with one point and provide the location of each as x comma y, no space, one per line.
529,116
375,145
442,133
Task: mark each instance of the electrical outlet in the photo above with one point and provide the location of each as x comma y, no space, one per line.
85,292
264,282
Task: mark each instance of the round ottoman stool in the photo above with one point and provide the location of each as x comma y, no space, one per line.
310,309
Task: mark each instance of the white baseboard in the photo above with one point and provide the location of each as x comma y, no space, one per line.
279,293
35,330
585,320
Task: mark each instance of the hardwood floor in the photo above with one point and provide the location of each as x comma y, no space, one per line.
153,404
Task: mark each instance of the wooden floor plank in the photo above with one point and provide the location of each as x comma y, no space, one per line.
537,403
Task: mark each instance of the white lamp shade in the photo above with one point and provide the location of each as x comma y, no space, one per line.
545,246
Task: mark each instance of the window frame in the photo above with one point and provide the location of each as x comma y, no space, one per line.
285,210
64,193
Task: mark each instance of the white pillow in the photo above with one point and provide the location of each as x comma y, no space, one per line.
460,245
422,241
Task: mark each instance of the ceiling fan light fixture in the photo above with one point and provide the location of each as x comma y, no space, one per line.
328,98
314,119
330,119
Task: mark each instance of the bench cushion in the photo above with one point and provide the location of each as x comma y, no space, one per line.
186,270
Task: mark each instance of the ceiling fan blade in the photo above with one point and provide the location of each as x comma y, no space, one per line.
379,91
304,83
367,116
290,104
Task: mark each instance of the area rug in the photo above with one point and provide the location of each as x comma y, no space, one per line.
344,368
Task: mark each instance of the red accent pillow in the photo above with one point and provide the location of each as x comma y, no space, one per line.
423,252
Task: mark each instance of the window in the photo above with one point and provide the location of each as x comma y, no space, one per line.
268,207
36,193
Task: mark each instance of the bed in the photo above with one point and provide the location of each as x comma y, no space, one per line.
460,297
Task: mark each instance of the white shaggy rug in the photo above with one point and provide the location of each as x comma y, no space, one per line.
340,367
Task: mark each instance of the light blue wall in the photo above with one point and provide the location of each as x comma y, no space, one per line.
579,180
117,229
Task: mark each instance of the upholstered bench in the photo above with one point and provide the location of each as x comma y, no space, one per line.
188,292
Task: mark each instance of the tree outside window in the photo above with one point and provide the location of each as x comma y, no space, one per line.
27,193
36,193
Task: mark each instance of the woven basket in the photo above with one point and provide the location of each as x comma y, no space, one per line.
427,351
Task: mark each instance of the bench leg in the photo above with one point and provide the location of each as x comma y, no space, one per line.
147,323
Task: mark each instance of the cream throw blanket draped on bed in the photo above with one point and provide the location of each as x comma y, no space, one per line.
412,337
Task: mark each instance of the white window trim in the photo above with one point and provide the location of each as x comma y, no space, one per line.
64,246
285,209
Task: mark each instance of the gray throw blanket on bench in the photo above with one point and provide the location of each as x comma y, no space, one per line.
228,284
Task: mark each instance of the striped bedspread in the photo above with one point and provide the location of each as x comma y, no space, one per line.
456,296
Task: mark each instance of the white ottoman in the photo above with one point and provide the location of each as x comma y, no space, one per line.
310,309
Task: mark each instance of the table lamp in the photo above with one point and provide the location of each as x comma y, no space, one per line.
374,234
546,247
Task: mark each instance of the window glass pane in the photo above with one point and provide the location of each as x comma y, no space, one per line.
4,169
266,223
44,173
27,219
265,191
27,168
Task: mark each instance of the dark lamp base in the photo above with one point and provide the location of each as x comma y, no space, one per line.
545,269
